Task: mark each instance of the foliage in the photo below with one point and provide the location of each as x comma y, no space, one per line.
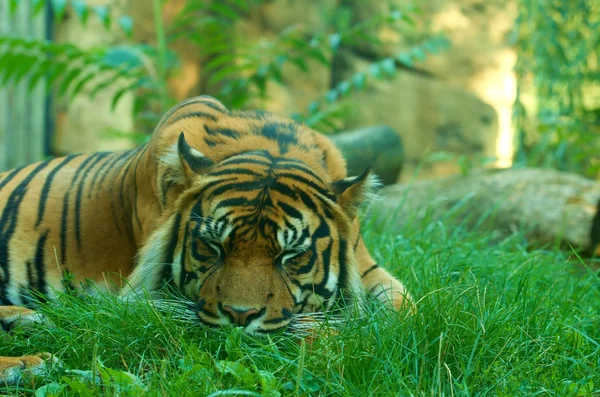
239,71
493,319
559,47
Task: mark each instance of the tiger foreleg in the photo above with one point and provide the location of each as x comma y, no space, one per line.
14,369
12,317
380,284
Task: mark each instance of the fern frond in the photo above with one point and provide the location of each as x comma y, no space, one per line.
64,66
80,9
320,112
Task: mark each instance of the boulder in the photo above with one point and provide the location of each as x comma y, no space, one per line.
379,146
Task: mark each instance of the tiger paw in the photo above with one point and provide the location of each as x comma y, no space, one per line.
396,298
12,317
15,369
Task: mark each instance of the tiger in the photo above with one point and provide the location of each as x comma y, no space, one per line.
249,215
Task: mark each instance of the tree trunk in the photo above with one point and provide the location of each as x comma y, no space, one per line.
549,206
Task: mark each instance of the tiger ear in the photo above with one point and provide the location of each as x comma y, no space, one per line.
355,190
180,164
192,161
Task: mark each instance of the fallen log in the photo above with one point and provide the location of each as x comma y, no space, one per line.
548,206
379,145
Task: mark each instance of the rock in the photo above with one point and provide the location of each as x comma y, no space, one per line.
379,146
480,60
548,205
430,115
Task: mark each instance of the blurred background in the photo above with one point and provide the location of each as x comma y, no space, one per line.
463,83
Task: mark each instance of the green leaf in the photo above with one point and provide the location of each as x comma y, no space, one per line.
332,96
317,54
58,7
238,370
344,87
35,76
268,383
233,344
38,5
122,91
83,81
388,65
359,80
226,58
13,5
301,63
395,15
68,80
375,70
418,53
103,15
334,41
81,9
223,10
49,390
126,23
405,60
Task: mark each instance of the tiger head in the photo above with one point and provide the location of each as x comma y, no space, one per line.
258,228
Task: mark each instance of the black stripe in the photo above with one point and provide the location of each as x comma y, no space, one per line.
200,308
135,188
299,166
194,115
343,280
322,232
63,229
47,186
229,133
369,270
98,172
184,275
264,158
8,222
169,254
203,99
236,171
40,266
355,246
10,176
384,291
210,102
291,211
308,266
322,190
97,158
237,186
112,165
30,277
122,187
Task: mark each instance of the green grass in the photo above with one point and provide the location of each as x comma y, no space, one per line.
494,319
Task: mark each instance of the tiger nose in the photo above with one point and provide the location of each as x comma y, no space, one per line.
239,315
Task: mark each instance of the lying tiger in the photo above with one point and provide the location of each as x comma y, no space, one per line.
248,215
